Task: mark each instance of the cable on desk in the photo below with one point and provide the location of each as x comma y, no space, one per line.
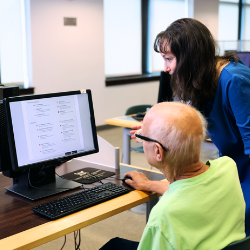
67,180
115,178
80,178
45,188
96,178
82,186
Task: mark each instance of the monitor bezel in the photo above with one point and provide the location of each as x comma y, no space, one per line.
52,162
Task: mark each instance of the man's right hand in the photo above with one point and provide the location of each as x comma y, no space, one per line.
141,182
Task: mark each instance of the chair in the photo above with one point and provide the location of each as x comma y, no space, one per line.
243,244
137,109
133,110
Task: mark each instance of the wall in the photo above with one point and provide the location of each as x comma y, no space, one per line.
69,58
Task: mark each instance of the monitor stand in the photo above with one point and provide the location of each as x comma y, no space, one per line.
46,183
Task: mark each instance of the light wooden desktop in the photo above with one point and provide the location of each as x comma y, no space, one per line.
123,121
20,228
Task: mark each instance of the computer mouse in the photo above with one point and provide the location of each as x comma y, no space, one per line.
126,178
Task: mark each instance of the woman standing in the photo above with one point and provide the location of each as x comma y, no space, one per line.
218,86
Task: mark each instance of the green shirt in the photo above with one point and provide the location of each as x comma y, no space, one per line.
203,212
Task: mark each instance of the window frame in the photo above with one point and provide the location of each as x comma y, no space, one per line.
240,20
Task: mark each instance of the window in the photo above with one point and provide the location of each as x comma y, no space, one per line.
122,29
228,27
246,26
162,14
234,32
125,34
13,42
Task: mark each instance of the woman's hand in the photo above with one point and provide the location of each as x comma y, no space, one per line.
134,129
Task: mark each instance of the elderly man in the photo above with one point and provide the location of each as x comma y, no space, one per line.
202,206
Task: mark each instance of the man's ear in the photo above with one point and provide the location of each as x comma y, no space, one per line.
159,152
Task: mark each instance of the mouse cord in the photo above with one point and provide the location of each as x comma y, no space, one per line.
96,177
115,178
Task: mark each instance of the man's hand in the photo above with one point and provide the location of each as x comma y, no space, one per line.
141,182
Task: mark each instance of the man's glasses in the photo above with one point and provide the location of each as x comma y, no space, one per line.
141,138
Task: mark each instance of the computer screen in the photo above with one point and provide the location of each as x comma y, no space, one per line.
47,130
244,57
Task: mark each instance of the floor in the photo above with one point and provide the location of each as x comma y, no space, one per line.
96,235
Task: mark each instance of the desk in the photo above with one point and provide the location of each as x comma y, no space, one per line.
20,228
126,122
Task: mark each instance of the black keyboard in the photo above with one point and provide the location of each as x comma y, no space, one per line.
75,202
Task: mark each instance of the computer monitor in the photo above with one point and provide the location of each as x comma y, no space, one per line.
165,93
43,132
244,57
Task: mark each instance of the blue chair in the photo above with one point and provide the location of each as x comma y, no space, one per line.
243,244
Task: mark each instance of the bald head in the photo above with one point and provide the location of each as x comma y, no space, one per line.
183,117
179,127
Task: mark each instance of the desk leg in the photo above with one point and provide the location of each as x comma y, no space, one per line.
126,145
150,205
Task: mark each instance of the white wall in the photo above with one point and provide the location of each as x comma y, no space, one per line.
206,11
72,57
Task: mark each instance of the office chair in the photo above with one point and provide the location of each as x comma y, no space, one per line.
133,110
243,244
137,109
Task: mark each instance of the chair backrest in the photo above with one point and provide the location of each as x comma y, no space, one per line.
137,109
243,244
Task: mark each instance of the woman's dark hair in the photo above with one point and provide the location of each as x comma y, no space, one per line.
192,43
